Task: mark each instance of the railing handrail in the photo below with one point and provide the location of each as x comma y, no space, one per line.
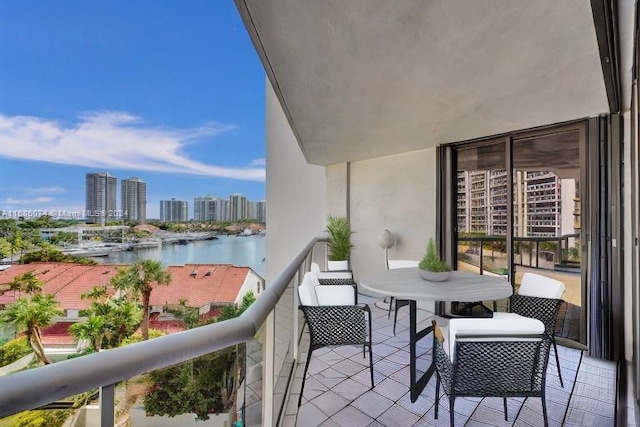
40,386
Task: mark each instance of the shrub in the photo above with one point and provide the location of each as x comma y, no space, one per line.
14,350
432,261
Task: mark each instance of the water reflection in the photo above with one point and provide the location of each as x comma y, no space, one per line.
240,251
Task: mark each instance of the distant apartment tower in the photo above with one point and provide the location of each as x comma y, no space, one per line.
257,210
222,210
100,198
174,210
205,208
543,203
133,196
238,207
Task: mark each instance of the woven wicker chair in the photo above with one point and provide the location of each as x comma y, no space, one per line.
334,319
491,366
539,297
543,309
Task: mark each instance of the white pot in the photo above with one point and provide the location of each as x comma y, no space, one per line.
338,265
433,276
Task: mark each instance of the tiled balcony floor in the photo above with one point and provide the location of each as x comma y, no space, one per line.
337,389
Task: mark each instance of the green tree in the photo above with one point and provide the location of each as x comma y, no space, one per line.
5,248
31,312
109,321
139,279
16,242
205,385
27,282
92,330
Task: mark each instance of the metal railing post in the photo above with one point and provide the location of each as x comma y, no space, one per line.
107,405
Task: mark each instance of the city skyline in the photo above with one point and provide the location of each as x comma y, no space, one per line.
96,88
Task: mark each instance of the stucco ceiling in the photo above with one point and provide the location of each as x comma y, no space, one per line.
360,79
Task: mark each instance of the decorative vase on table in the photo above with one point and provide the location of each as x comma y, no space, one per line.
434,276
432,268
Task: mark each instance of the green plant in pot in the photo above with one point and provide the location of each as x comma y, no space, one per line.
432,268
339,244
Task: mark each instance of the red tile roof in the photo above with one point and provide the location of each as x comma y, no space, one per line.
199,284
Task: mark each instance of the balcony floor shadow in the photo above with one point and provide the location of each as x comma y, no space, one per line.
337,391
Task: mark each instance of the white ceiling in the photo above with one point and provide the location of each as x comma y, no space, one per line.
366,78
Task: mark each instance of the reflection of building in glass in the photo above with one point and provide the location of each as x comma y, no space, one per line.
544,204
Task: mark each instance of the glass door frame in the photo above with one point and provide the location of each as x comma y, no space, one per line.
447,221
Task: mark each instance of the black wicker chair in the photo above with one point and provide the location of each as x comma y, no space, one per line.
543,309
492,366
338,325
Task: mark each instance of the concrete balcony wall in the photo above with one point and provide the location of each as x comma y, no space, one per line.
397,193
295,191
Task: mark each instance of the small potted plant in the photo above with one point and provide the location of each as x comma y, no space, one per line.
432,268
339,244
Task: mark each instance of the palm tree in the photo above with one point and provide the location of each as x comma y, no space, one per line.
109,320
16,243
27,282
92,330
139,279
29,314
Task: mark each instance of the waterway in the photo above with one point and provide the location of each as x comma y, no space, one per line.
240,251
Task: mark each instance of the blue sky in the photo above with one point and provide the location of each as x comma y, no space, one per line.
170,92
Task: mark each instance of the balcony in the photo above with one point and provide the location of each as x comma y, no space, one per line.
336,391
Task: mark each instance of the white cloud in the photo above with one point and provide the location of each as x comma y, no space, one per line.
113,140
258,162
12,201
45,190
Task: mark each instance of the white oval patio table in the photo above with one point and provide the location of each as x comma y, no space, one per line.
406,283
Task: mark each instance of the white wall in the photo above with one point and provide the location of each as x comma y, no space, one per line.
398,193
253,283
295,192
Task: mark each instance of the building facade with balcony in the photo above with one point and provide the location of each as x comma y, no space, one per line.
174,210
100,206
133,197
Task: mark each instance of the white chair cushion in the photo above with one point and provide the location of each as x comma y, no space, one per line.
306,291
536,285
315,268
502,324
335,295
402,263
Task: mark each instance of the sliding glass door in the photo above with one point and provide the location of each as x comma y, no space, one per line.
518,209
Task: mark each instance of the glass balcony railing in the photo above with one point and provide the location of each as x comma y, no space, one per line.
264,340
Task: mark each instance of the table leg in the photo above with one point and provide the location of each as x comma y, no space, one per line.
417,384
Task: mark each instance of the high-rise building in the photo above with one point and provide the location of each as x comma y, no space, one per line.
100,198
205,208
133,196
543,204
238,207
257,210
174,210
